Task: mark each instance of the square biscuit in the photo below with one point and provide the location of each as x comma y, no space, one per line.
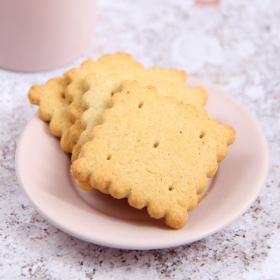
53,105
155,151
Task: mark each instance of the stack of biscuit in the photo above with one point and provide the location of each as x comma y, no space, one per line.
136,133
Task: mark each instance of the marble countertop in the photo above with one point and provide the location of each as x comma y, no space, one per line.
234,44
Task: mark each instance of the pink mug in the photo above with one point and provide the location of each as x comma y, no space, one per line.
37,35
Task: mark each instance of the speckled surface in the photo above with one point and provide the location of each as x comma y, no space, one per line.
235,45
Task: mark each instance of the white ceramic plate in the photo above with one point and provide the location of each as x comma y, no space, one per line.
43,173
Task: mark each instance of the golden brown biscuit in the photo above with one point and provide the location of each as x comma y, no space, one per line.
52,103
153,150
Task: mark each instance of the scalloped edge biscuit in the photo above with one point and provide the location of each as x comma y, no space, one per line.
153,150
53,106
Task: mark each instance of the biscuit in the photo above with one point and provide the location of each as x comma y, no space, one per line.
155,151
52,103
110,71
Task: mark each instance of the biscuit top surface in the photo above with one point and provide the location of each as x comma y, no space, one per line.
154,151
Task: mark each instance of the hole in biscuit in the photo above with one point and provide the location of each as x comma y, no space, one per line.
202,134
109,157
156,144
171,188
140,104
112,93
